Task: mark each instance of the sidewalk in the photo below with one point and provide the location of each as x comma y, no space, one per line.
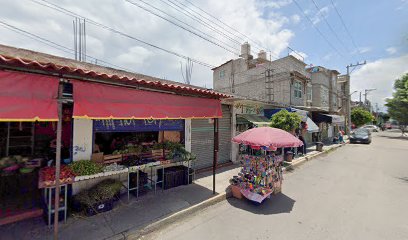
147,212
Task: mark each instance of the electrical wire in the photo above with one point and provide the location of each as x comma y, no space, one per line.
244,37
54,44
319,10
316,28
73,14
343,23
184,28
199,20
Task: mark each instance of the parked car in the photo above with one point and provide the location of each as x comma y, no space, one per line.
387,126
372,128
361,135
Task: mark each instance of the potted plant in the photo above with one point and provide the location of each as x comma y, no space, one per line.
99,198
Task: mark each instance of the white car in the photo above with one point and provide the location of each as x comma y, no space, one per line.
372,128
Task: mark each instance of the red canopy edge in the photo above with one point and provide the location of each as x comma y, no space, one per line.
102,101
26,97
81,69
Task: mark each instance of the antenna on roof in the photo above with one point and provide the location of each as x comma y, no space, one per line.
79,39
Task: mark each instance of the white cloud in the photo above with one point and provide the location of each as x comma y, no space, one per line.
273,4
404,4
328,56
295,18
362,50
246,16
380,75
320,15
299,55
391,50
134,56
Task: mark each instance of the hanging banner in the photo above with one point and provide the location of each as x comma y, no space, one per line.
136,125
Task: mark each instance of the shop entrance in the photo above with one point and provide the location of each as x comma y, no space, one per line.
25,147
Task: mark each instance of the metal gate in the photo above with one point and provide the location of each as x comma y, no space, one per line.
202,139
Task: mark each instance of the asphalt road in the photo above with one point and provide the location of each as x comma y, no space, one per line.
355,192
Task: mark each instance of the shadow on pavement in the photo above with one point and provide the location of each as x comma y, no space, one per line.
397,137
133,215
405,179
208,172
277,204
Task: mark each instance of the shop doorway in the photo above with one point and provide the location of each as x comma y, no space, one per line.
25,147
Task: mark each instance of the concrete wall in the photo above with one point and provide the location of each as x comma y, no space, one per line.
82,139
325,79
238,78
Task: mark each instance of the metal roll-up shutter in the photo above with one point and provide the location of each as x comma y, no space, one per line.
224,153
202,140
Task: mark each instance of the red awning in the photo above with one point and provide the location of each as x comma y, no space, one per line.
101,101
28,97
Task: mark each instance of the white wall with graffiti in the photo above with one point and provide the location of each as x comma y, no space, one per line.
82,139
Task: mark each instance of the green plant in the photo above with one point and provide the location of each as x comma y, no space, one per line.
103,191
398,104
285,120
158,146
85,167
360,116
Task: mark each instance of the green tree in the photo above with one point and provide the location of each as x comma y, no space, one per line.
360,116
398,104
285,120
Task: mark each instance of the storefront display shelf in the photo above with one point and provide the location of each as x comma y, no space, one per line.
98,175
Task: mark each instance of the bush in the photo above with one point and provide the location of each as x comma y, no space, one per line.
285,120
360,116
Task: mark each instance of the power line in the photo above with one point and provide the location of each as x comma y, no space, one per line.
319,10
73,14
344,25
199,20
316,28
245,37
182,27
54,44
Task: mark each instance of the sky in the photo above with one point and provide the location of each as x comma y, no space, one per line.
329,33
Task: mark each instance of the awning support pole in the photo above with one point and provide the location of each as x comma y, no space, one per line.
58,162
216,143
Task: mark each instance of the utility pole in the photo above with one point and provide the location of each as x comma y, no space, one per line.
359,102
349,95
366,91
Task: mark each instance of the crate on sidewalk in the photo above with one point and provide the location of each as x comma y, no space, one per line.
173,177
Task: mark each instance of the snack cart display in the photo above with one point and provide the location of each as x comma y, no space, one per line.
261,172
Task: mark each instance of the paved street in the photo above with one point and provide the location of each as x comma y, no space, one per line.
356,192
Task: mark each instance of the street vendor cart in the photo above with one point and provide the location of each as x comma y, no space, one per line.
261,157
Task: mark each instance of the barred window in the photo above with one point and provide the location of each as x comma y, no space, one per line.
297,89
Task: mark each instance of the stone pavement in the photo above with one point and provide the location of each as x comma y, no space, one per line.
130,218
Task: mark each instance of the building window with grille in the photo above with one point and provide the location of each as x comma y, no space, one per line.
297,89
222,74
309,93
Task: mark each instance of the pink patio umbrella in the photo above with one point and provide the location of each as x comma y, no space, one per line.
267,137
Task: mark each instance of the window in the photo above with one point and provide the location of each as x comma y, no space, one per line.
324,97
309,93
297,89
222,74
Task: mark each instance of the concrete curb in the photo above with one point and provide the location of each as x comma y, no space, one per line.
141,233
308,158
